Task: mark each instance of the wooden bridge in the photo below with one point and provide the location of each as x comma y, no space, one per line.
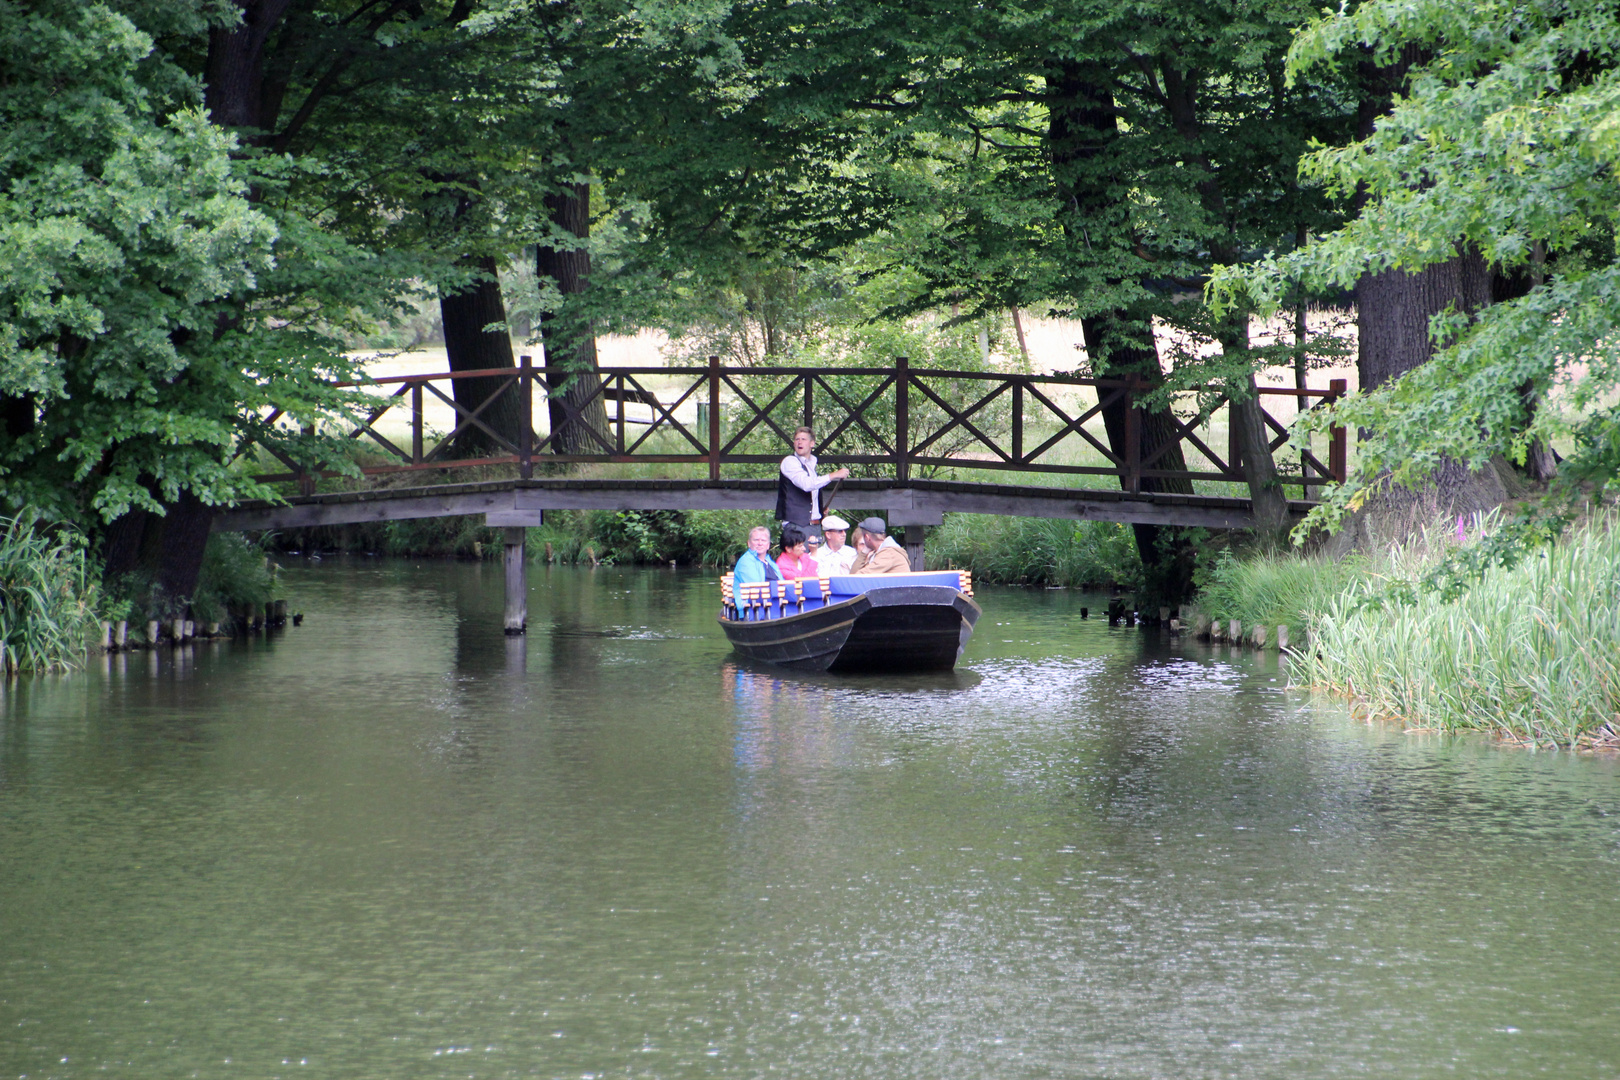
697,423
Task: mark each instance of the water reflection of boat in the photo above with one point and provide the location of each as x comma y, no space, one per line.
887,622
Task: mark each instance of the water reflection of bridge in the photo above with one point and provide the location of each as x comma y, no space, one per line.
1040,429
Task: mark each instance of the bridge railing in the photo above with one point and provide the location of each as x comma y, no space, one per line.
911,420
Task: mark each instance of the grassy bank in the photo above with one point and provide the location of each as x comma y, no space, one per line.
1531,653
48,596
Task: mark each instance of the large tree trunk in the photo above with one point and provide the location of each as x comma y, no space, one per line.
1244,414
163,552
1081,125
1393,309
17,414
1266,494
233,92
578,413
472,347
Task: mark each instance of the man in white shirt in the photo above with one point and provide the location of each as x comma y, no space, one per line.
798,485
834,556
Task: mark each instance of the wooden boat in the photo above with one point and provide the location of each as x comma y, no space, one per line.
876,622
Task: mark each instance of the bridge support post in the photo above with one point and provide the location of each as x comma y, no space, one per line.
517,581
913,540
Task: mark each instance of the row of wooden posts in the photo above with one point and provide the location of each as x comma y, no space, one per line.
1203,627
116,636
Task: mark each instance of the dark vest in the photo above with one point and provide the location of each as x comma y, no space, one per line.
792,504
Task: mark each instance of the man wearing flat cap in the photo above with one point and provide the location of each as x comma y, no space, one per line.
879,553
834,556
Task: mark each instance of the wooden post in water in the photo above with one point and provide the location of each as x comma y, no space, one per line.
517,580
913,540
1234,631
121,633
152,633
1282,637
1260,636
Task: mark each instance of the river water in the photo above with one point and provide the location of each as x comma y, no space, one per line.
392,843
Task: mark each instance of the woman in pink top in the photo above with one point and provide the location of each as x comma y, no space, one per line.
793,562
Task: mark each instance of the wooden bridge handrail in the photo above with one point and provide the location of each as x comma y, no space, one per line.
916,373
932,424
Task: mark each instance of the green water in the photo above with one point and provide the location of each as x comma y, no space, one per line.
390,843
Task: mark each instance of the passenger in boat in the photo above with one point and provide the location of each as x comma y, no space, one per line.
795,561
835,556
755,564
798,486
879,553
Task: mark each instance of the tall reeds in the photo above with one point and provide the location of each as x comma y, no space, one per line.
1530,652
47,596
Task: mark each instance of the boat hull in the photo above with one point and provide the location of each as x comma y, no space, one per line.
911,628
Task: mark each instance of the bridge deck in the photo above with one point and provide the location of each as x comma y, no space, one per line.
913,502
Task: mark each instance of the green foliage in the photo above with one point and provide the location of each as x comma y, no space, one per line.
1504,142
1531,652
1275,589
1036,551
127,233
235,579
48,598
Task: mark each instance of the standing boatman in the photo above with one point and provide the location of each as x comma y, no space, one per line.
798,486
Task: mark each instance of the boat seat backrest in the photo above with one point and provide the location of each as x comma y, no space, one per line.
847,585
756,600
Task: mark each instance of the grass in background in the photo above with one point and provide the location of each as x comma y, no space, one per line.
1531,653
48,597
1036,551
690,537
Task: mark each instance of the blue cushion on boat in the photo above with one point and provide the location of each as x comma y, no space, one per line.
855,584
